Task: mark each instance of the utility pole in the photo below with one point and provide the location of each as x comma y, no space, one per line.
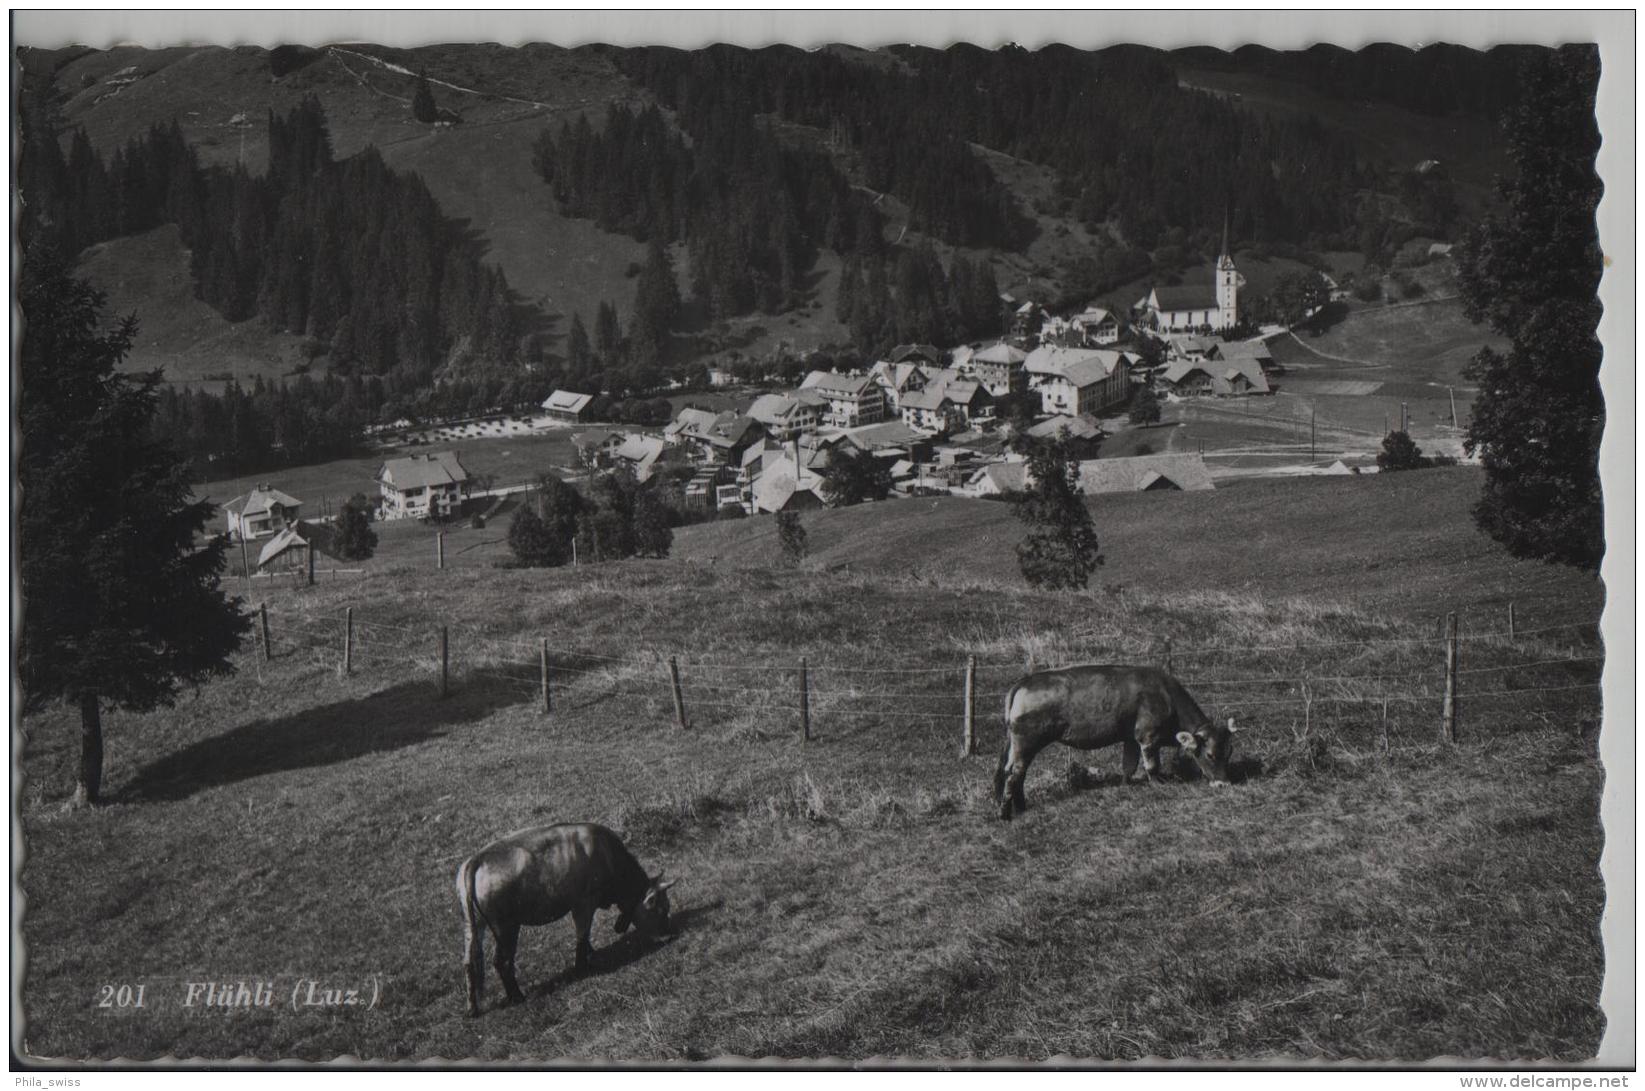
1405,418
1452,392
1311,412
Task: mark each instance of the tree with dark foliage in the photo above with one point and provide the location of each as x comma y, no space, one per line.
1145,406
1532,272
1400,452
121,601
854,476
1061,548
356,541
791,537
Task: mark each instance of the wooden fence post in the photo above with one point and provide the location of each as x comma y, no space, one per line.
548,698
1510,619
348,641
679,697
970,746
1449,715
805,703
440,548
1168,668
311,564
262,614
445,647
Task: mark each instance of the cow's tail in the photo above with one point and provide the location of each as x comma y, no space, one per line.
474,923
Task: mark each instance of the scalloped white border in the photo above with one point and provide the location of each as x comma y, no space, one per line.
1613,30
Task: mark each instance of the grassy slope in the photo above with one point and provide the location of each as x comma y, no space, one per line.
855,897
148,275
480,171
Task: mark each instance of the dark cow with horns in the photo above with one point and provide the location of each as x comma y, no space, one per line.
1090,706
539,875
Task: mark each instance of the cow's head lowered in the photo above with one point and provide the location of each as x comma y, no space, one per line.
650,914
1211,746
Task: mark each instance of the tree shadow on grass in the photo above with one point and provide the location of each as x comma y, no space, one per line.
394,718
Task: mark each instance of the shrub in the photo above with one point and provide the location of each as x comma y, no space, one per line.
1400,452
791,536
356,541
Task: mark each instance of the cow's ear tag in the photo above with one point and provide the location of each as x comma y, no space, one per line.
1187,741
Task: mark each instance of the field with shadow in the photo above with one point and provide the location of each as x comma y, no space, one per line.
1364,890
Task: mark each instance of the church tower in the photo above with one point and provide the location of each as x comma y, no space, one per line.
1227,284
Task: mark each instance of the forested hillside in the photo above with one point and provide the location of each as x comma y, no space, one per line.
861,198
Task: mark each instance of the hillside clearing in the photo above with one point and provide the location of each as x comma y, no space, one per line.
1364,891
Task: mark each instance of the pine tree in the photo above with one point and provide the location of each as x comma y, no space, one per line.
356,541
1533,272
791,537
1061,548
120,601
652,535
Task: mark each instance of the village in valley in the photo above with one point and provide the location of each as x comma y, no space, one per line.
939,421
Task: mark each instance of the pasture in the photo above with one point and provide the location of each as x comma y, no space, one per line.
1365,890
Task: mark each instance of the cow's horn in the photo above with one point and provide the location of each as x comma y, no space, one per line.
1231,727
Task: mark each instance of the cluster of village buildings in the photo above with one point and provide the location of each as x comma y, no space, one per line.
930,414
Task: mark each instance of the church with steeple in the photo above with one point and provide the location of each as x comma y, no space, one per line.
1192,308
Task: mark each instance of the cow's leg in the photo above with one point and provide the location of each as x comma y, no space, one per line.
508,940
1128,762
1017,770
1151,734
1150,763
582,916
1000,771
474,966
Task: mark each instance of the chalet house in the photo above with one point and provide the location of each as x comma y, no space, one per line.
895,379
1190,346
1145,473
719,376
1257,350
594,448
1096,326
789,480
931,410
640,454
852,400
1220,378
1084,433
1078,381
999,368
997,479
1026,321
422,485
568,405
687,425
263,511
917,354
784,416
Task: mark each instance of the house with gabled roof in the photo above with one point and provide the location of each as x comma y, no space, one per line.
1218,378
997,479
1096,326
568,405
999,368
261,512
895,379
787,415
852,399
639,453
422,486
1145,473
1077,381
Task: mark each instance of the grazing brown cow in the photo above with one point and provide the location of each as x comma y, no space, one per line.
1090,706
539,875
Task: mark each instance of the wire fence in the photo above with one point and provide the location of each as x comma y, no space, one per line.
1461,682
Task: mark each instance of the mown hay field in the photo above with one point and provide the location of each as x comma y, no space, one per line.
1365,890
